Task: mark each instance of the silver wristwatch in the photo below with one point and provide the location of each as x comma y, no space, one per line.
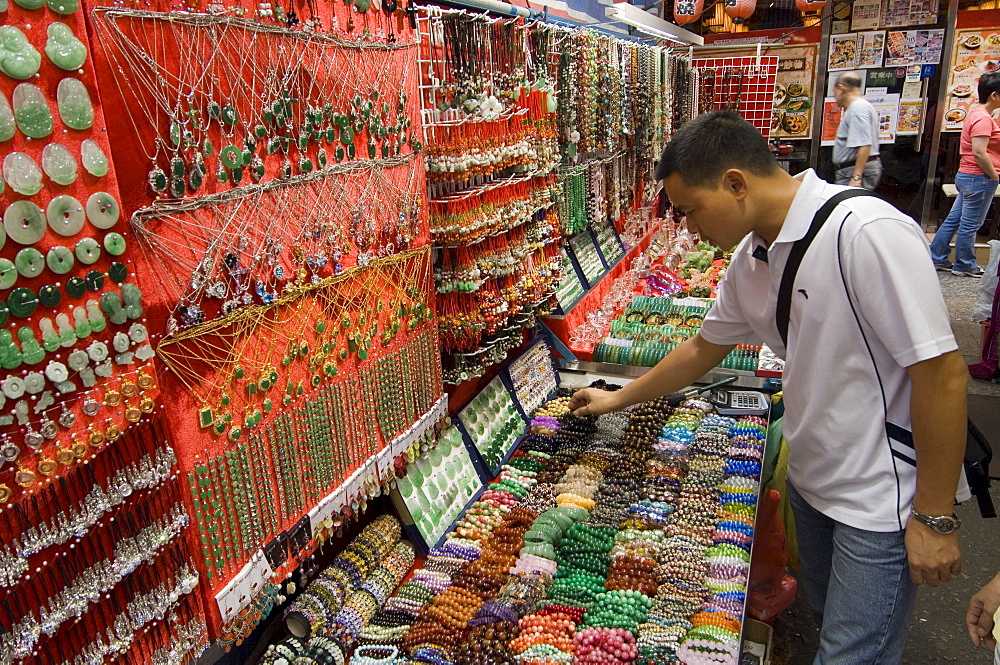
945,524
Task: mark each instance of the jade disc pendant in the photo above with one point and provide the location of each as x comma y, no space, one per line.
29,262
31,111
18,58
102,210
75,108
22,173
8,273
59,164
87,251
24,222
65,215
94,159
59,260
63,48
7,124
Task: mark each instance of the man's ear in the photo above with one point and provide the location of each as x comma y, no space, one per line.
735,182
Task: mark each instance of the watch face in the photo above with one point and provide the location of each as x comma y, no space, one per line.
944,525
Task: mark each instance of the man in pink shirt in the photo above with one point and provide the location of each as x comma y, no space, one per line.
976,183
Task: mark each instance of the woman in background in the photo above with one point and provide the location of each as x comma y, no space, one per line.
976,183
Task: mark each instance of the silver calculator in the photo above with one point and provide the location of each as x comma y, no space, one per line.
740,402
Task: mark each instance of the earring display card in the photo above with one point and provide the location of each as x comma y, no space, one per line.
533,377
439,485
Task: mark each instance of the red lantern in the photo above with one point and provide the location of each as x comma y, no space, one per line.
687,11
740,10
809,5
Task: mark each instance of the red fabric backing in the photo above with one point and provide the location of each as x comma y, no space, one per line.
206,357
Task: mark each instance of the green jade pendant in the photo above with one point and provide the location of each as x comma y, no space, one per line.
8,274
74,104
18,58
7,122
63,48
63,6
30,4
31,111
59,164
94,159
87,251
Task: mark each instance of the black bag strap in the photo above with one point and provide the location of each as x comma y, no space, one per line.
783,311
978,455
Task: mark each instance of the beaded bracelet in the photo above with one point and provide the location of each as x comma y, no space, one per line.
360,656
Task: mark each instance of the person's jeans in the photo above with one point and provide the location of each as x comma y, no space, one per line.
975,194
870,177
858,586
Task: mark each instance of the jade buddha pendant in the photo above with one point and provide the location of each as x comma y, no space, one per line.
63,48
59,164
18,58
22,173
94,159
63,6
31,111
7,123
74,104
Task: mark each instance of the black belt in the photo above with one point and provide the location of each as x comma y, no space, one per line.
871,158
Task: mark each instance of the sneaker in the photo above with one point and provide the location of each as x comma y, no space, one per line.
943,267
976,272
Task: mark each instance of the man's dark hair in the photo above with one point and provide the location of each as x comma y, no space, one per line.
849,80
709,145
988,84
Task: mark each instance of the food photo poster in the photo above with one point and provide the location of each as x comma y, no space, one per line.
791,115
976,53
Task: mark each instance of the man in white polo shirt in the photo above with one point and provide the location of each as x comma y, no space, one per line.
874,386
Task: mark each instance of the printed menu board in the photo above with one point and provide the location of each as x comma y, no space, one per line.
910,113
843,51
909,12
976,52
791,116
866,14
914,47
831,120
870,47
887,107
856,50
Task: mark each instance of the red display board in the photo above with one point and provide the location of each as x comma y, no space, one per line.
743,83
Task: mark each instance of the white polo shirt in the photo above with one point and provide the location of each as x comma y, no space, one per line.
847,417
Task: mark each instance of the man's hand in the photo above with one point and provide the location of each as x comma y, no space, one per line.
855,183
593,402
979,616
933,557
